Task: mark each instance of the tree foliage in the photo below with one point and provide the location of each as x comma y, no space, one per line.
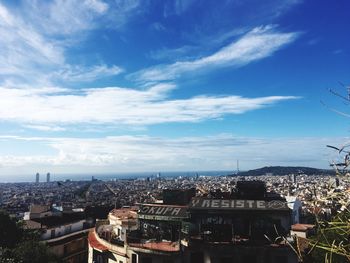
21,246
10,233
332,244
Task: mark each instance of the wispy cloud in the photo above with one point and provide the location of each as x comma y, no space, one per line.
45,128
67,18
64,18
257,44
24,50
115,105
35,40
145,153
86,74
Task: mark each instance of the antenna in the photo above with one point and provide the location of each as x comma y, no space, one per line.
237,166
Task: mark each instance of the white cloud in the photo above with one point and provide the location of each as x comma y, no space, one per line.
34,43
45,128
145,153
122,11
86,74
24,50
257,44
65,18
119,106
33,59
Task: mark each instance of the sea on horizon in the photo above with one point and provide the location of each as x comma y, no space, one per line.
107,177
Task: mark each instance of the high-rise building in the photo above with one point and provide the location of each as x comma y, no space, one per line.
48,177
37,177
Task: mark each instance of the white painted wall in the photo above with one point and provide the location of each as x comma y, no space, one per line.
295,204
63,230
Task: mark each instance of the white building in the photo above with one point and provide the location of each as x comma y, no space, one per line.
295,205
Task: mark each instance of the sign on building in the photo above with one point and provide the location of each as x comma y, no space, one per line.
238,204
162,212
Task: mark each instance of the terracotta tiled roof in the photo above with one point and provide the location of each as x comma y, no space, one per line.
159,246
302,227
94,242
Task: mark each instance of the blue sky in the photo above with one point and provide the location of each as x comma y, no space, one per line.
118,86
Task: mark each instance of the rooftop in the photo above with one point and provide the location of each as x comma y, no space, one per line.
53,221
125,213
164,246
302,227
95,243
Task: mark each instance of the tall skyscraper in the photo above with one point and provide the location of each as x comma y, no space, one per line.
48,177
37,176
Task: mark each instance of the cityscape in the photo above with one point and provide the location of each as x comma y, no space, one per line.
151,218
174,131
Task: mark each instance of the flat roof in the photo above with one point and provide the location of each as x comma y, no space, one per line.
54,221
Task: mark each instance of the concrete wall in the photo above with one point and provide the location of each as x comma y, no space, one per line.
63,230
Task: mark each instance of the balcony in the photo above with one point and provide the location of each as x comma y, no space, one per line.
106,232
103,238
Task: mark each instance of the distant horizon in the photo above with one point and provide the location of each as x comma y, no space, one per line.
127,175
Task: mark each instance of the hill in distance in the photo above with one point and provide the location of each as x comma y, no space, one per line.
285,170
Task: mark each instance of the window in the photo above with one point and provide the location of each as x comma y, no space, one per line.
68,229
52,233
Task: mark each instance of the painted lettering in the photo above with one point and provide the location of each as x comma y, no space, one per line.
233,203
167,209
260,204
250,203
225,203
176,211
160,210
195,202
145,209
206,203
215,203
152,210
240,204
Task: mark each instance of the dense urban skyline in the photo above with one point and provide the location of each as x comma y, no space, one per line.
131,86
